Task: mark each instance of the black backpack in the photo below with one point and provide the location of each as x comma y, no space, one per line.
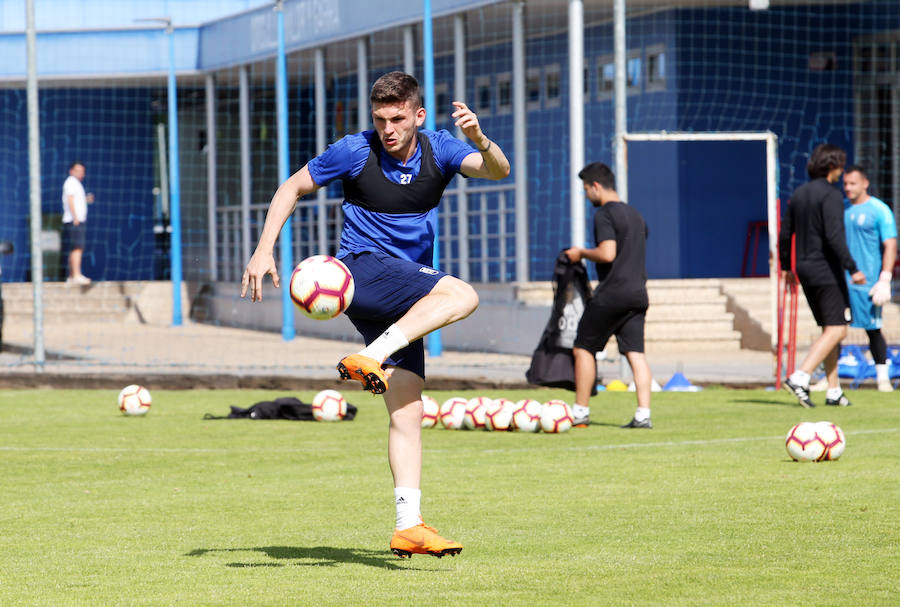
552,363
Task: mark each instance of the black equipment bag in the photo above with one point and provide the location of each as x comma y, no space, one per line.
286,407
552,363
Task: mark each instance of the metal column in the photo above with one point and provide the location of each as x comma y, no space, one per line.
362,84
620,94
576,119
211,193
520,154
244,128
321,144
34,185
409,49
459,93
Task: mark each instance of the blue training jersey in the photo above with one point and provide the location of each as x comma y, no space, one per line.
867,225
404,235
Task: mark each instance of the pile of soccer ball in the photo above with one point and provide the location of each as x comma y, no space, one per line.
815,442
497,415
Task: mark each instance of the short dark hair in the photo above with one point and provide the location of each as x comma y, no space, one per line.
396,87
857,168
597,172
75,163
824,159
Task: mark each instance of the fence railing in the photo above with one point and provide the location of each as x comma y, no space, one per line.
477,233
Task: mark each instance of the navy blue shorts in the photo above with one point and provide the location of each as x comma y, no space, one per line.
74,236
385,287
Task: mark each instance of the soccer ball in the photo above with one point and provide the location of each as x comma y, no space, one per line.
803,443
833,439
556,416
526,415
475,408
498,415
430,412
452,413
321,286
329,406
134,400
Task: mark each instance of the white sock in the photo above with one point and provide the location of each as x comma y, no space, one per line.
580,411
408,503
386,344
834,393
642,414
801,378
881,372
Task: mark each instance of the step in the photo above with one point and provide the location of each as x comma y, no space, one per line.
683,311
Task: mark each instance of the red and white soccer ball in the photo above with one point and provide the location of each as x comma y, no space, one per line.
321,287
498,415
475,409
134,400
430,411
329,406
526,416
556,417
833,438
452,413
815,442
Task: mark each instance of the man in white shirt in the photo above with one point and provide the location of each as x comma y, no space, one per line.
75,203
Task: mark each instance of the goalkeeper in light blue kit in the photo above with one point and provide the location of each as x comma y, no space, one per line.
872,240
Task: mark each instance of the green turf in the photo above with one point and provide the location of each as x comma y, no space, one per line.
706,508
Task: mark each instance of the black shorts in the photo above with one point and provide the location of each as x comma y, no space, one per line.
385,288
603,318
74,236
830,304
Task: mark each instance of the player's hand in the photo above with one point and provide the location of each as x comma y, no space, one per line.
260,265
467,122
89,198
574,254
858,278
881,291
788,277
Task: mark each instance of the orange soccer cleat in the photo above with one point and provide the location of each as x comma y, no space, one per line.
364,369
422,539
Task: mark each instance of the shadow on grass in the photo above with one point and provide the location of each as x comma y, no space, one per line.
315,556
766,401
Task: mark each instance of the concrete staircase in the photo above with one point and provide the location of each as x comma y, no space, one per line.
750,299
148,302
686,314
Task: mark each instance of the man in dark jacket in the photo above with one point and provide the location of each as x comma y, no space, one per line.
816,216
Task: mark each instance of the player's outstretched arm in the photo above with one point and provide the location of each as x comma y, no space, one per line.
263,260
490,162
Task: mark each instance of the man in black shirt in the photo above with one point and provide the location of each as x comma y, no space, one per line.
816,216
619,302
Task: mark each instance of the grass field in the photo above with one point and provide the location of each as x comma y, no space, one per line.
705,509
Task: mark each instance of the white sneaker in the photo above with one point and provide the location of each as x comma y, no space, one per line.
884,385
81,279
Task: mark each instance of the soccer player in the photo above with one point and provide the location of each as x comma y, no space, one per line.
872,240
393,179
815,215
619,303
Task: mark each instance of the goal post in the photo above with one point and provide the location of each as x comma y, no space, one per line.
772,211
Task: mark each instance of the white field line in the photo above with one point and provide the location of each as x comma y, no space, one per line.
654,445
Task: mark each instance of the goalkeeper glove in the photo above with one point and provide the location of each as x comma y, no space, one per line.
881,292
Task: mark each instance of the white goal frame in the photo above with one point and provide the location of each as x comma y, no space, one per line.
771,141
